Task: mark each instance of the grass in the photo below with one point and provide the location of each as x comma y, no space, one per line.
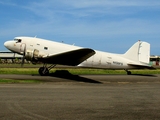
32,69
103,72
76,71
18,70
18,81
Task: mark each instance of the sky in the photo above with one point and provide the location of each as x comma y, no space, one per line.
105,25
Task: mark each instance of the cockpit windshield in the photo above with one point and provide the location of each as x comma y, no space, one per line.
18,40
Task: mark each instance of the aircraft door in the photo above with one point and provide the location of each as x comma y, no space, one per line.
109,62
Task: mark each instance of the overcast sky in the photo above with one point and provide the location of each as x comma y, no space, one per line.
106,25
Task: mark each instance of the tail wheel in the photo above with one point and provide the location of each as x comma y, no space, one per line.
128,72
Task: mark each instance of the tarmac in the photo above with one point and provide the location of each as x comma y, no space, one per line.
81,97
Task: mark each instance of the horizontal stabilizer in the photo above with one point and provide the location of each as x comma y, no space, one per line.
141,66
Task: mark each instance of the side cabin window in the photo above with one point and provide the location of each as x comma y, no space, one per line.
46,48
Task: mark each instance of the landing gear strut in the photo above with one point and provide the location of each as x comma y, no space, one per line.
128,72
43,71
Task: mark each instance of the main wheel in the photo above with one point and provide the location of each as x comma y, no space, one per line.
43,71
129,73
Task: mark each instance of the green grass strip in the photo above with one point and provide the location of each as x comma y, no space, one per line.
18,81
76,71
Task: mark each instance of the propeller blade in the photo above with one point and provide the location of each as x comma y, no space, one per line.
23,58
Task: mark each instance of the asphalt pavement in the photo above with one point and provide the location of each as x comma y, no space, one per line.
81,97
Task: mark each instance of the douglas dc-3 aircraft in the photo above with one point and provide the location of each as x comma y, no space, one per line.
49,52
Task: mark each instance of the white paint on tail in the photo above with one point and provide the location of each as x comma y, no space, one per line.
144,52
139,52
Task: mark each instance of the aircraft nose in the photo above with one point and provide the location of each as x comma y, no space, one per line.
8,44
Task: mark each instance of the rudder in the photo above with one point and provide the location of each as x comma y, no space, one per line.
144,52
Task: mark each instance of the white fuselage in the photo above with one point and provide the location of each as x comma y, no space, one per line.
106,60
98,60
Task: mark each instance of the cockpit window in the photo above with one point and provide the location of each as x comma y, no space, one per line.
17,40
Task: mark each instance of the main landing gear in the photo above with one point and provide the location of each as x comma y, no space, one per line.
128,72
43,71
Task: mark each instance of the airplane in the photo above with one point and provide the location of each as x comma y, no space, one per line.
50,52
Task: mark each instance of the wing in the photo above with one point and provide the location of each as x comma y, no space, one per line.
73,57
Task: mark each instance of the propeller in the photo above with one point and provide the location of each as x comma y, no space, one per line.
23,58
14,54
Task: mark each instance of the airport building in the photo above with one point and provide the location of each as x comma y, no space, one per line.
155,60
10,57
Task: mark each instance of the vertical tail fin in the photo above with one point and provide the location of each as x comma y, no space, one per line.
139,52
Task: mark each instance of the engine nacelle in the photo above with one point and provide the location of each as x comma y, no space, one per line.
32,55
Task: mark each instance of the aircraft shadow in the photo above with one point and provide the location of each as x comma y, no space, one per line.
145,75
67,75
